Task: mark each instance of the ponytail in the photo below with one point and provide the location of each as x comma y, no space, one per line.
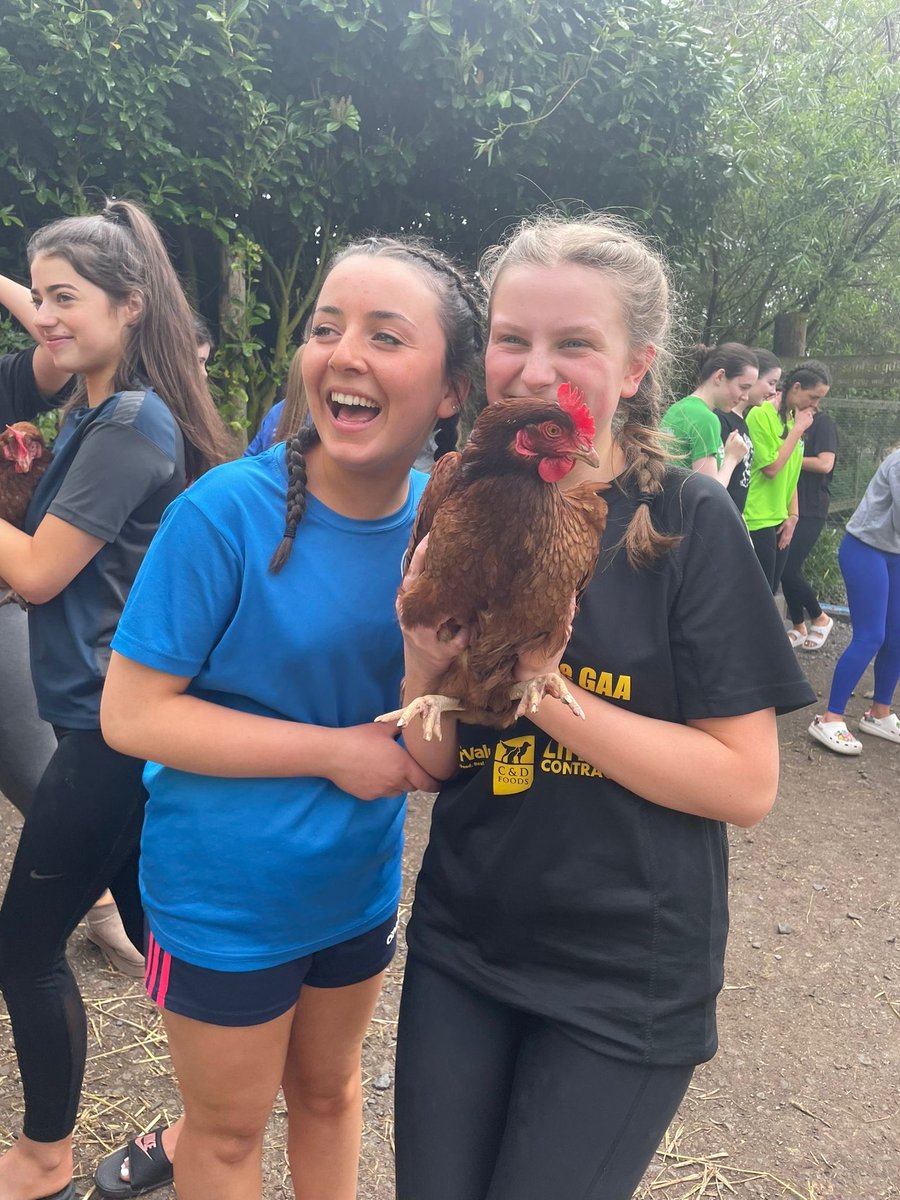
731,357
120,251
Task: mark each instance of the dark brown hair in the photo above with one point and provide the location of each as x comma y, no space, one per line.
808,374
120,251
460,316
766,360
731,357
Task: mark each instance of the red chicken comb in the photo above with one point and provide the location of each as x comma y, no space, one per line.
19,437
571,401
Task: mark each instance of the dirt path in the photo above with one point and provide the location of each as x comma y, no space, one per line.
803,1099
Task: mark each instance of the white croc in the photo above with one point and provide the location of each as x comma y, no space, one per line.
884,727
835,735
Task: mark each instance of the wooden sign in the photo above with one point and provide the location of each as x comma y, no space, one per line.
857,371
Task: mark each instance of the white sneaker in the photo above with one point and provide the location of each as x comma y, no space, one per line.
884,727
835,735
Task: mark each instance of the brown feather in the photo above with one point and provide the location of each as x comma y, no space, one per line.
17,489
505,555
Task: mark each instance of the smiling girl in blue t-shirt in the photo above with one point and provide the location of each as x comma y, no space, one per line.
271,858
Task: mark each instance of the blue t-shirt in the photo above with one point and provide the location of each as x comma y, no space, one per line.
265,435
115,469
241,874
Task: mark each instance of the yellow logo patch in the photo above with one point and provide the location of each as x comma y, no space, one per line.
514,766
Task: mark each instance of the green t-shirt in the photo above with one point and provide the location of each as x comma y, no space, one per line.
768,499
695,430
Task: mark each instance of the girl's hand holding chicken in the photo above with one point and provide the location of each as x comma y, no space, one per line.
390,770
429,650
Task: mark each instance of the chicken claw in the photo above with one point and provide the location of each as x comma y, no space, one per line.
532,692
429,708
11,597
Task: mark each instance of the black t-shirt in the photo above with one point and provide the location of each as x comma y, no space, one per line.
740,476
20,399
813,489
555,889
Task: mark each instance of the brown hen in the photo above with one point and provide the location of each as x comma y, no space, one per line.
24,458
507,554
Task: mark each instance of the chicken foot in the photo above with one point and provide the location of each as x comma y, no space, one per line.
429,708
531,692
11,597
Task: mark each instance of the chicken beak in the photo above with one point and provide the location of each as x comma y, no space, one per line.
22,454
586,452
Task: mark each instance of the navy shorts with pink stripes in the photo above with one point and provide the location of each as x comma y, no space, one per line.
253,997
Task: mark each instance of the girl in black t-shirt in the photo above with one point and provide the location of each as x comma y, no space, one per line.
820,444
567,939
109,309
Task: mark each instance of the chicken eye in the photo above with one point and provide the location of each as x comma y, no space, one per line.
552,430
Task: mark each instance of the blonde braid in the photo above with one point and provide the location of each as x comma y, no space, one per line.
646,460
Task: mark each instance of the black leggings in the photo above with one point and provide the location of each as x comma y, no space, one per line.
798,593
771,559
81,837
497,1104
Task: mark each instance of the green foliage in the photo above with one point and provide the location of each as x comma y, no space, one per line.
290,125
821,568
811,213
12,337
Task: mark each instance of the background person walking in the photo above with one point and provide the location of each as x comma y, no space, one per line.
869,558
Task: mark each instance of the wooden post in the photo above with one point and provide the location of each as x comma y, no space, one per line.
789,335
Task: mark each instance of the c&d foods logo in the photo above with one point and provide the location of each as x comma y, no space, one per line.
514,766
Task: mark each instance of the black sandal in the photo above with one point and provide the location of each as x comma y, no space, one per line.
149,1167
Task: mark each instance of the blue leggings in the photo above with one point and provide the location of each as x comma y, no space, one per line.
873,594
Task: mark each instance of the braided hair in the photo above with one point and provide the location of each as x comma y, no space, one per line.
295,456
614,248
460,313
808,374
